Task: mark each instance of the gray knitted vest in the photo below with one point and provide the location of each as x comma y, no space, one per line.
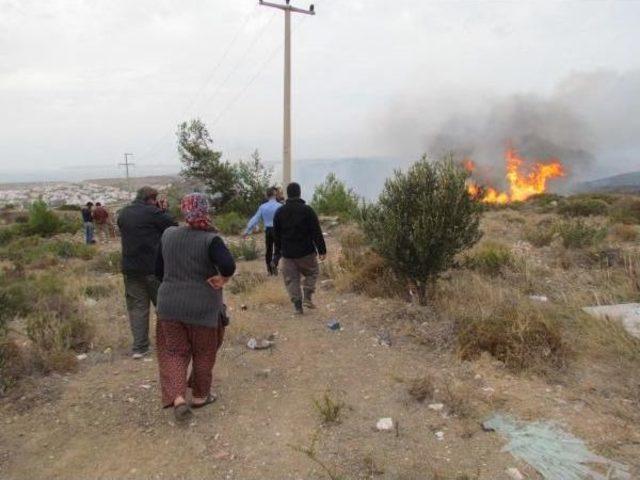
185,296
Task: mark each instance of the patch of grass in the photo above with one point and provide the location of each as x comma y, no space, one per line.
55,332
421,388
625,232
231,223
244,282
579,234
457,397
520,334
110,262
626,210
489,258
583,207
98,291
540,235
270,293
245,250
329,407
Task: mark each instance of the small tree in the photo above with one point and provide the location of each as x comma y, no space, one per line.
42,221
202,163
422,220
253,180
332,197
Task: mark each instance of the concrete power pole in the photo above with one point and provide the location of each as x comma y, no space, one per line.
126,165
286,140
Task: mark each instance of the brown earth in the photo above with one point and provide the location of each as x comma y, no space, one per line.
105,421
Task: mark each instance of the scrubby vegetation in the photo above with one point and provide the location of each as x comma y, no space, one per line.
244,250
422,220
231,223
489,258
332,197
580,234
583,207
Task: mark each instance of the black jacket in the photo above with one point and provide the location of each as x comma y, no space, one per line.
297,230
141,226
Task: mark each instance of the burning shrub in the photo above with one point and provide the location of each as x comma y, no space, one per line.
516,333
332,197
583,207
490,258
579,234
422,220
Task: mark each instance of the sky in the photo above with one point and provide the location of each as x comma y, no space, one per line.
83,81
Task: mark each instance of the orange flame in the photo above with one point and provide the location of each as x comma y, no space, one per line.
521,184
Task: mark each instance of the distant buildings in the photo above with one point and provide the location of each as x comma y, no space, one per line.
56,194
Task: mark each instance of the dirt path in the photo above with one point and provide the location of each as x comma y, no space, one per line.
105,420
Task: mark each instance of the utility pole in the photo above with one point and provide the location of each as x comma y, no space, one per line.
286,141
126,165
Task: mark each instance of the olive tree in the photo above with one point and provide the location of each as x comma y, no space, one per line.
422,219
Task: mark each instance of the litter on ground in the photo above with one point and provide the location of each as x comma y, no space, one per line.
554,453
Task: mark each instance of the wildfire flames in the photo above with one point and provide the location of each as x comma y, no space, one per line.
524,180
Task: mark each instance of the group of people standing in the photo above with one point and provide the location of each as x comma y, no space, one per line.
96,217
182,271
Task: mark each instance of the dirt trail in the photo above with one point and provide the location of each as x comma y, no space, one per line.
105,420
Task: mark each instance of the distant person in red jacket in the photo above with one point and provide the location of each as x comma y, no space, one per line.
103,222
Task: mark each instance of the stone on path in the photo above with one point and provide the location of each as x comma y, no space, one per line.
514,473
384,424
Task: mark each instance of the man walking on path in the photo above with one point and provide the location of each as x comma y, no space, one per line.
265,213
103,224
299,239
141,226
87,220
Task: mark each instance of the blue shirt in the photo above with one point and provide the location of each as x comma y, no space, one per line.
265,212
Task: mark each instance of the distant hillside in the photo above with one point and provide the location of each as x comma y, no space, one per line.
624,183
366,175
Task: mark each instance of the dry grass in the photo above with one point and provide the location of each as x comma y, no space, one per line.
244,282
329,407
421,388
269,293
624,232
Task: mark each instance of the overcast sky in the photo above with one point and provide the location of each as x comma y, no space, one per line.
81,82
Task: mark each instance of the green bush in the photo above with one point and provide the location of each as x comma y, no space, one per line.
31,249
583,207
231,223
489,258
422,220
56,332
579,234
245,250
626,210
7,234
67,249
42,221
332,197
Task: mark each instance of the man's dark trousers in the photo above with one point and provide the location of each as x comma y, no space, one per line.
140,291
271,258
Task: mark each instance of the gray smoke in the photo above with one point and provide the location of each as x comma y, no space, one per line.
591,122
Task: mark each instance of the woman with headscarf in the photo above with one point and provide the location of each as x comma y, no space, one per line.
194,265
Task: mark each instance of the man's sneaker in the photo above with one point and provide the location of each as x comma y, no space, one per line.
297,305
139,355
308,303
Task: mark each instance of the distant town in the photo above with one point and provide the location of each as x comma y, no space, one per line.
56,194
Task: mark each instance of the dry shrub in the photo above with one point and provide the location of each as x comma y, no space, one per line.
421,388
626,210
364,271
52,332
489,258
625,232
270,293
246,281
329,407
580,234
541,235
519,334
457,397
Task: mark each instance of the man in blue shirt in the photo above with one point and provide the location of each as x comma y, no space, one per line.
265,213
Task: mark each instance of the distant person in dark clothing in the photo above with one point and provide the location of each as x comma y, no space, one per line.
265,214
102,222
141,225
194,264
87,220
299,239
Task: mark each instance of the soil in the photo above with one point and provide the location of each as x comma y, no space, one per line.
105,420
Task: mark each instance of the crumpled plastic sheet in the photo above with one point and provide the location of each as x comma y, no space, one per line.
554,453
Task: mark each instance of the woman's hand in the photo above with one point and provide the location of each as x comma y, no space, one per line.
218,281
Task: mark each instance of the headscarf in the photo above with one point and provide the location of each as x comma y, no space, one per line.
195,208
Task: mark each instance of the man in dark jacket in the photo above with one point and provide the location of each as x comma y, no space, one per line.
141,226
299,239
